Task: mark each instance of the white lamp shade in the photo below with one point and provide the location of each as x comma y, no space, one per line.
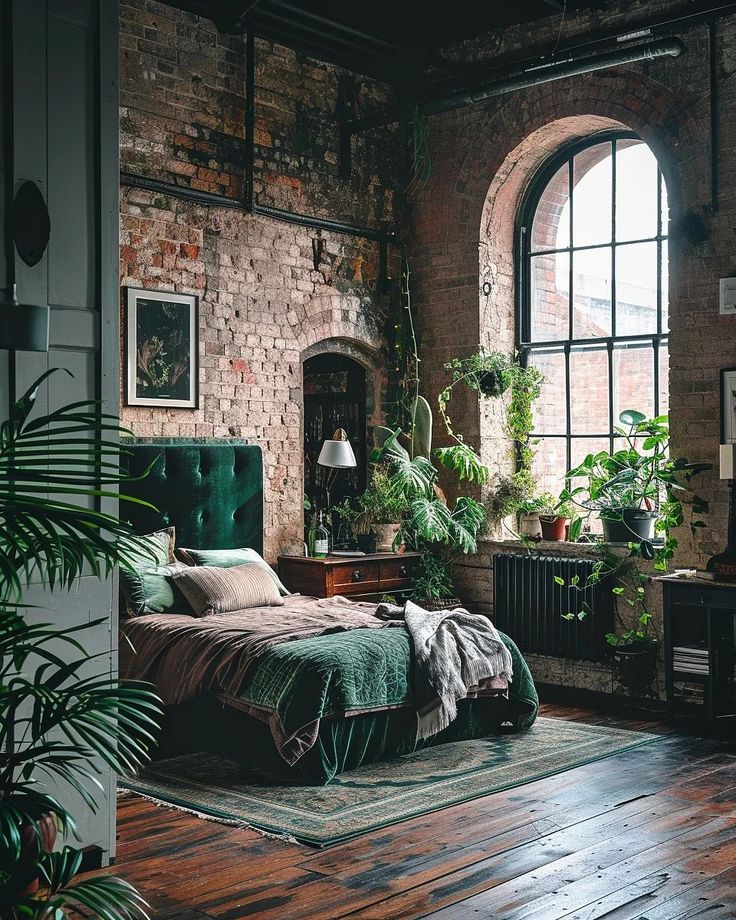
337,454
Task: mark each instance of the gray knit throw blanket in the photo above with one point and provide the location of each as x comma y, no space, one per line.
456,655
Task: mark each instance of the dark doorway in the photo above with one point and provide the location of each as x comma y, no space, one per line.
334,397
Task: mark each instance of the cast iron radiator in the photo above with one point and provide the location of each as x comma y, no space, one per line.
529,605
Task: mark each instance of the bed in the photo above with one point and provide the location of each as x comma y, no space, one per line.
299,692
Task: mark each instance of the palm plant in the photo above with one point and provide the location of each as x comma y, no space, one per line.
57,719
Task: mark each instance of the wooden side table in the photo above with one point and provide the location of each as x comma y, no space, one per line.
700,649
361,578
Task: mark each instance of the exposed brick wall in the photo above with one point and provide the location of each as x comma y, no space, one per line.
484,157
269,295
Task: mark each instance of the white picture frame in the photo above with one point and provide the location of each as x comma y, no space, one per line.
161,349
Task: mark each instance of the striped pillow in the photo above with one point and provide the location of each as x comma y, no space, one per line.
212,589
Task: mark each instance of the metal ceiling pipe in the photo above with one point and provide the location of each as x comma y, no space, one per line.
546,73
531,76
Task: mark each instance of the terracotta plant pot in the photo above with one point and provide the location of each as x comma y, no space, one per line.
386,534
554,528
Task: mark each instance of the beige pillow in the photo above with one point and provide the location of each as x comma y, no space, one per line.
212,589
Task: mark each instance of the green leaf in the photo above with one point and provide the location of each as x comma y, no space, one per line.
559,581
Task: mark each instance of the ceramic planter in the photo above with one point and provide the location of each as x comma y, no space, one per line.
530,526
554,527
635,667
385,536
628,525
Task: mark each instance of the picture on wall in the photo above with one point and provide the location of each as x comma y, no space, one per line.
161,349
728,405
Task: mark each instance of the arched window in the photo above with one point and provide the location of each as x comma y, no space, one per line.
593,296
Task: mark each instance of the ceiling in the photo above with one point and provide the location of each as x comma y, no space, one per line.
390,39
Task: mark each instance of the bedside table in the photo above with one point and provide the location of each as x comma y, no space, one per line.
361,578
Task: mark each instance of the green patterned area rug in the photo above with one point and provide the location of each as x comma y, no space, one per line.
380,794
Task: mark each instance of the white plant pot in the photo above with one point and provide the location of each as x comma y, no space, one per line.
530,525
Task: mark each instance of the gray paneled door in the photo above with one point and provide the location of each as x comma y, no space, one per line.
66,141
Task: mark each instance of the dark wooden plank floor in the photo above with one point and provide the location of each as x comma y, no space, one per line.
650,833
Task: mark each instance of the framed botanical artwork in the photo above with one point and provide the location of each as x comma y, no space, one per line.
161,349
728,405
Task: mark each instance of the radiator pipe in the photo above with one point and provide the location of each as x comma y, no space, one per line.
531,76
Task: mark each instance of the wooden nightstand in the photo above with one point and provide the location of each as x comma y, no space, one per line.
361,578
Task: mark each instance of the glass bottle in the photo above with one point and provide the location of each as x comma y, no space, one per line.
312,535
322,539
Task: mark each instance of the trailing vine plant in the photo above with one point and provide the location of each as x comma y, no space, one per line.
491,375
420,166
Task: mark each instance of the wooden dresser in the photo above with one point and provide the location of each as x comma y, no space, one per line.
362,578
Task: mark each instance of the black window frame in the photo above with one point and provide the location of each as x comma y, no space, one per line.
524,254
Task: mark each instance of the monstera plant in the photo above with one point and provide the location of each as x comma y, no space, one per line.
59,719
438,531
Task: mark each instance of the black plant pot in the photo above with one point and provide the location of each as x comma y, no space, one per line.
635,667
629,525
367,543
494,383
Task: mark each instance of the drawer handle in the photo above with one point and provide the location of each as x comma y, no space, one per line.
403,570
357,575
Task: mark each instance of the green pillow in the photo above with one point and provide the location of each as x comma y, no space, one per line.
152,590
154,549
226,558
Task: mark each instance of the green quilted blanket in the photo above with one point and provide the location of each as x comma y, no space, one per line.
296,684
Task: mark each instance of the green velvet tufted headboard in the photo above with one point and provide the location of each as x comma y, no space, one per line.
212,492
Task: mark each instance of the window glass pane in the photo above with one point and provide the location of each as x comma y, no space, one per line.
636,191
664,379
665,213
633,379
592,195
665,287
636,288
591,287
550,410
550,464
551,227
579,450
550,277
589,391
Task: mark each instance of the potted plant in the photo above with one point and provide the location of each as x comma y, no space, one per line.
634,647
625,487
555,515
58,719
434,588
375,516
490,373
651,473
430,525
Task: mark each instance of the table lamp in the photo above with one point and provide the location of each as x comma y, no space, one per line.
336,454
723,565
